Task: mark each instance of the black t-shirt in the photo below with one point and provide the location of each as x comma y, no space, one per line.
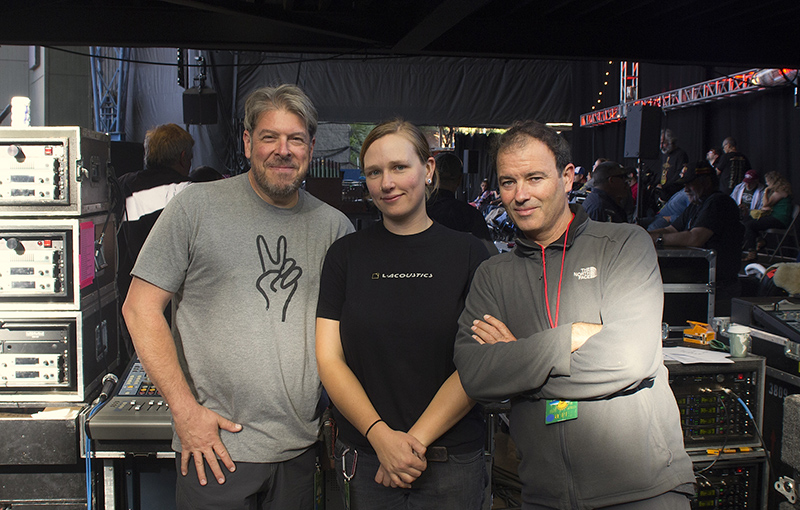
601,207
720,214
398,299
747,198
732,167
445,208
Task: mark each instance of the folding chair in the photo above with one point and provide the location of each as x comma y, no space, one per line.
784,233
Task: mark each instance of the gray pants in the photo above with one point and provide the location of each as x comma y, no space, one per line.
253,486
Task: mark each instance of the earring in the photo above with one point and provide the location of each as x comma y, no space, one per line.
429,181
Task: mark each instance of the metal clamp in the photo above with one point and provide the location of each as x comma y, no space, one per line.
786,486
792,350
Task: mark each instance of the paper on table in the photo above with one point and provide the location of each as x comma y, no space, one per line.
689,355
57,413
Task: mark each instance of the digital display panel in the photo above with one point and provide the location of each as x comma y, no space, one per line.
26,361
707,432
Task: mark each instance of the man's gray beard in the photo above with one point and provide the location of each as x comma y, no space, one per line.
279,191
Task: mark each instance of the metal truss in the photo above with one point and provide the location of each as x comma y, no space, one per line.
628,82
693,95
110,86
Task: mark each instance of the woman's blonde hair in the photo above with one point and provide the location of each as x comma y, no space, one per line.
411,133
779,182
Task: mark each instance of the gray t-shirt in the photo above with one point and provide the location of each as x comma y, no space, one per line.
246,279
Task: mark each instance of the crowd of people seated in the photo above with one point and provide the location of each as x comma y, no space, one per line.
718,203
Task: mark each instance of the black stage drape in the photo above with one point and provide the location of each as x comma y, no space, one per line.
465,92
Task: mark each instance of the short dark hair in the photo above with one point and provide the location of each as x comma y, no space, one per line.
607,170
448,166
518,135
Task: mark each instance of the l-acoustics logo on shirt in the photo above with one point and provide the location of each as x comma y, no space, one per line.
400,276
586,273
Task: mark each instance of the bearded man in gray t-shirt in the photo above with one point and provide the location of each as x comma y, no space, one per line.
241,257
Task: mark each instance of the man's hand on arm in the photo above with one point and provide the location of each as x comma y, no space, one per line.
581,331
491,330
197,427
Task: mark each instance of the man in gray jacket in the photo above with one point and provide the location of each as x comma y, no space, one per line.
568,326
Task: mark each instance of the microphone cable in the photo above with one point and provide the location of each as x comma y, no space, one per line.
109,383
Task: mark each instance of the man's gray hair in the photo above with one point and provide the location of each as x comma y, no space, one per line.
283,97
519,134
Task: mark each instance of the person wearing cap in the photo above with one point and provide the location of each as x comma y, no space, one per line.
589,184
610,192
712,222
749,193
581,176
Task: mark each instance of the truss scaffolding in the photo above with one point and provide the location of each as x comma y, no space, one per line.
693,95
110,84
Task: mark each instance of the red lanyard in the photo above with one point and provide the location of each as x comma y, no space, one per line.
560,277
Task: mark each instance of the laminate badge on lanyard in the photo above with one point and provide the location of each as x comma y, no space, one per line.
560,410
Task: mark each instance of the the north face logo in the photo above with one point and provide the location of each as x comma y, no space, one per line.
587,273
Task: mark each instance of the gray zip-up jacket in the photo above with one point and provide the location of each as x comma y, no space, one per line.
626,443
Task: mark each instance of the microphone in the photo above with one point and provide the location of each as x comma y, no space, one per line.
109,382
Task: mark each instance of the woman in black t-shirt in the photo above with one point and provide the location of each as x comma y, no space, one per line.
390,297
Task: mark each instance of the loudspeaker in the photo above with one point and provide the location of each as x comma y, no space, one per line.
199,106
471,161
643,132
